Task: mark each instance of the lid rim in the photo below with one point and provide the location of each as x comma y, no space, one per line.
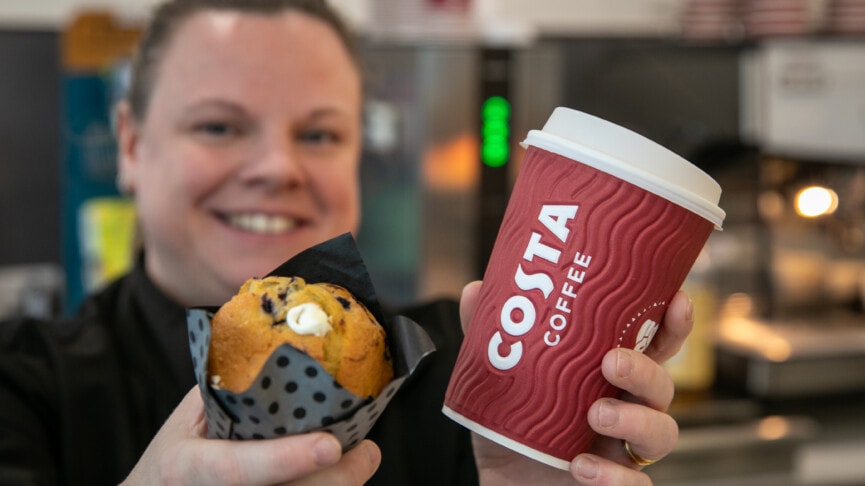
689,200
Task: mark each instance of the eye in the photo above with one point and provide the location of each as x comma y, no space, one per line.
215,129
319,136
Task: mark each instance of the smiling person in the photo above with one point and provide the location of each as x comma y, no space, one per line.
240,141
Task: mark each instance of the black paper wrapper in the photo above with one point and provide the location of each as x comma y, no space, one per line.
293,393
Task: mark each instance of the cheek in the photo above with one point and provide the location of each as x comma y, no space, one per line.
196,179
172,183
339,192
186,173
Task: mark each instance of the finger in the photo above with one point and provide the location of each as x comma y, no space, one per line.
469,303
185,423
592,470
188,416
678,322
639,376
256,462
355,468
652,434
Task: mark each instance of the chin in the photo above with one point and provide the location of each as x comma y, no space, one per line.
259,267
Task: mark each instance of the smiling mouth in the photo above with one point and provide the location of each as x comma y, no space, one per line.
266,224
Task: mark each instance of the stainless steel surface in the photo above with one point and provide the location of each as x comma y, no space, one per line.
764,448
818,441
792,359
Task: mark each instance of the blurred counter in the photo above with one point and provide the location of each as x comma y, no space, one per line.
787,407
794,357
742,442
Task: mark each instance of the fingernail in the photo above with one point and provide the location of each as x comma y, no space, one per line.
608,415
326,450
624,364
689,310
586,468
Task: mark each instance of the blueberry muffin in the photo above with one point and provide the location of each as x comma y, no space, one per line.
323,320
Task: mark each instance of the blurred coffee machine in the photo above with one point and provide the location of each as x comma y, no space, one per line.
801,329
446,109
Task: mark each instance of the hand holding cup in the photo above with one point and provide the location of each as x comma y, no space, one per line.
602,227
637,417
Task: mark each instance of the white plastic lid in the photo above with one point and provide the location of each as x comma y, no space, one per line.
631,157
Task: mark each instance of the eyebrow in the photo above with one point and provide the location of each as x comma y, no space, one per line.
237,109
325,112
209,103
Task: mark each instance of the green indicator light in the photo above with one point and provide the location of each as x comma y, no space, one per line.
496,107
495,129
495,155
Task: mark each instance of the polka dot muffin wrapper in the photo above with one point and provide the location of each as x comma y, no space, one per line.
293,393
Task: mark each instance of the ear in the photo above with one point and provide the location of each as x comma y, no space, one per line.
127,141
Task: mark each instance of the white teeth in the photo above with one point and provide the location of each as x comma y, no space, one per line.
261,223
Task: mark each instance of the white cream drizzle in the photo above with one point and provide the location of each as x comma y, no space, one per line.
308,318
216,382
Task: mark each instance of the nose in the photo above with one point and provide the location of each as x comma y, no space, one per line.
276,164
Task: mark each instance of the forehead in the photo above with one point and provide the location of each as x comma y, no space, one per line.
212,45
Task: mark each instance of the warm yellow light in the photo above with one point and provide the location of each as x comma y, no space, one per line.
773,428
770,204
816,201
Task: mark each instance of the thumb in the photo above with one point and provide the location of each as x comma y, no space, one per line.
469,303
188,417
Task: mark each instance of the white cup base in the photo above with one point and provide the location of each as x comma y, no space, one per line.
506,442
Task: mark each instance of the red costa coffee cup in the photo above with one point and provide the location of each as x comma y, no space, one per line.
601,229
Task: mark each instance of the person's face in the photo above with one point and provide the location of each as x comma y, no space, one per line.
248,153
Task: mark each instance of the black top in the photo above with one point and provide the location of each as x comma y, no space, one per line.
80,399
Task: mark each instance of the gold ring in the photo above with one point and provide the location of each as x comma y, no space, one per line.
638,459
